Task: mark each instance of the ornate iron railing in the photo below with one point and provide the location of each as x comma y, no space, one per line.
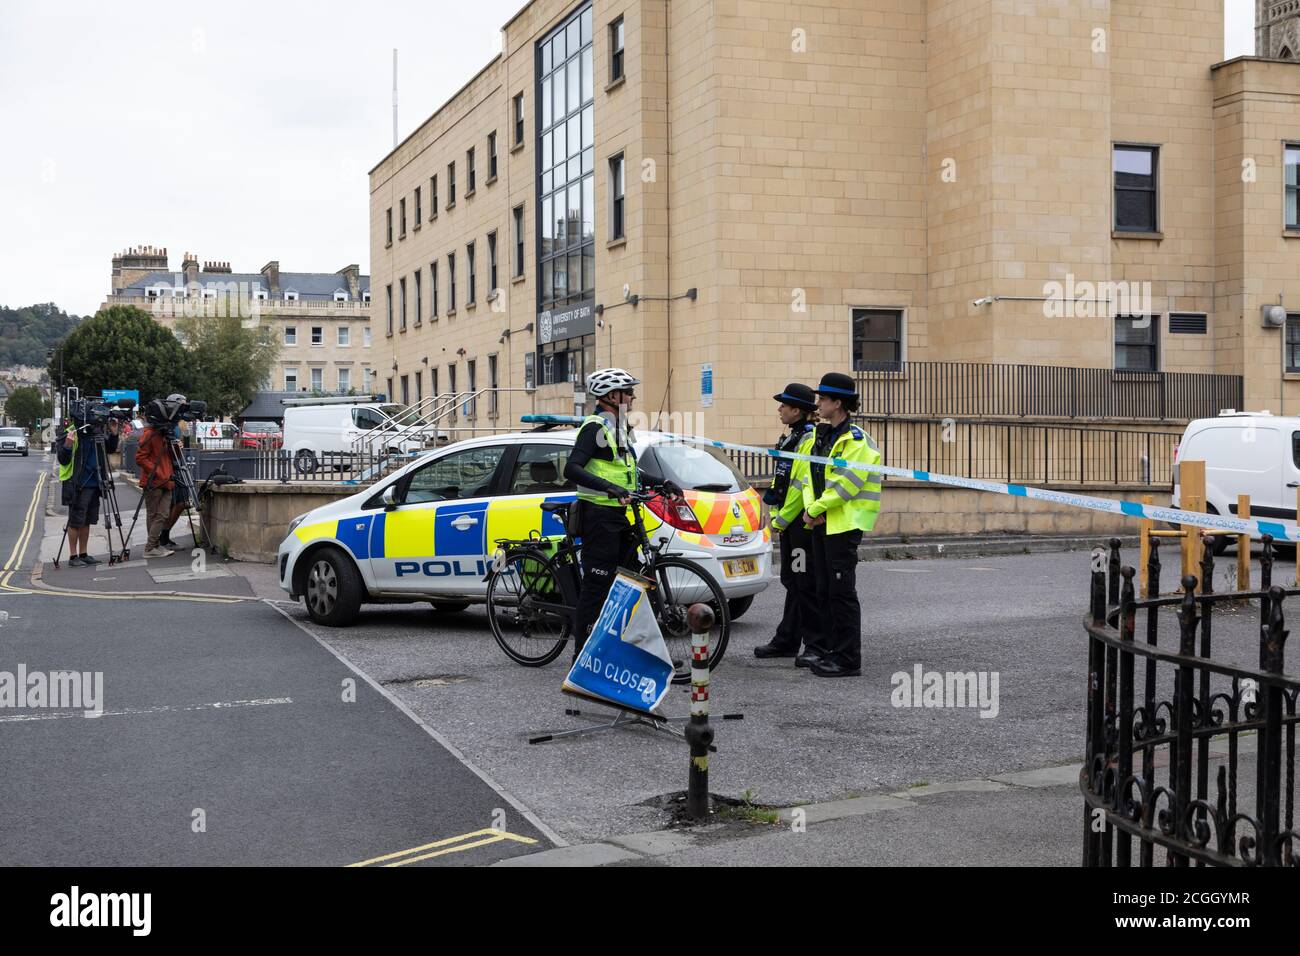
1180,822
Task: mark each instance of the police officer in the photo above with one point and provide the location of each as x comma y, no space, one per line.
801,620
839,505
603,466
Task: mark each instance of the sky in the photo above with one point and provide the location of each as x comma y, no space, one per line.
241,132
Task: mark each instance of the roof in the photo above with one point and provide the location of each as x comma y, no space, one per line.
308,285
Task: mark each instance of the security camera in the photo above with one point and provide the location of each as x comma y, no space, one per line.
627,291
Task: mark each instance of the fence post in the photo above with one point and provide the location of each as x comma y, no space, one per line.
1192,498
698,733
1094,741
1144,550
1272,641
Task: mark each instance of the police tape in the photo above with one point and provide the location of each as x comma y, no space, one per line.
1281,531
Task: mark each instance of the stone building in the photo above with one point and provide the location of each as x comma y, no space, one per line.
322,319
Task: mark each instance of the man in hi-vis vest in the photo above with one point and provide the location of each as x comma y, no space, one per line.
603,466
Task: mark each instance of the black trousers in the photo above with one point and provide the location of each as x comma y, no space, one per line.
835,557
801,620
607,542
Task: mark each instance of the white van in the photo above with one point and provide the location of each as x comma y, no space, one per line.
1245,453
334,427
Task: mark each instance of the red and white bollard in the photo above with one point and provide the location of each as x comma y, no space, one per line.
698,733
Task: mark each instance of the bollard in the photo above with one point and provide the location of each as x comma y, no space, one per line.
698,733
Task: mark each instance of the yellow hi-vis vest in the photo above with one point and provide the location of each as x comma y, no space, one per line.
852,498
65,471
800,476
621,470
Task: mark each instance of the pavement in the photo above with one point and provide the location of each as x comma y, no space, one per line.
235,708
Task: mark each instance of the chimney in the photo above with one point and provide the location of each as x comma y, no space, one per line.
222,267
190,268
353,275
271,273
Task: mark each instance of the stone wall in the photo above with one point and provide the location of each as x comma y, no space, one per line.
248,520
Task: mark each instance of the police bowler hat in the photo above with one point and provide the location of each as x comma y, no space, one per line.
798,395
837,385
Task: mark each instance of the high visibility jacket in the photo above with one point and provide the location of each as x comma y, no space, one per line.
791,507
852,497
66,470
620,470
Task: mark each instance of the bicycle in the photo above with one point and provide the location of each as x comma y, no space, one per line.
533,587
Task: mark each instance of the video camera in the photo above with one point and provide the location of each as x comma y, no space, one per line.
92,414
174,408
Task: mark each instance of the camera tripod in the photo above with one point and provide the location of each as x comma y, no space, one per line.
184,477
108,496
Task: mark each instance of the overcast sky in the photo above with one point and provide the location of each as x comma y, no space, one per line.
242,131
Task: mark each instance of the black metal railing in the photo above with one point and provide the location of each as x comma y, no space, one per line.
359,468
1184,697
1010,451
1042,391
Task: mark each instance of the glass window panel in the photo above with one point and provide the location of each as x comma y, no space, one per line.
878,353
1291,208
574,213
557,93
588,127
588,208
546,150
1292,165
589,267
1133,161
560,288
559,151
586,75
588,157
573,70
548,230
575,272
546,279
575,135
546,181
558,52
586,25
574,37
546,58
1134,209
545,96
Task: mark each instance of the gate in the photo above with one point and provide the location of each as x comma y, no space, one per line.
1169,715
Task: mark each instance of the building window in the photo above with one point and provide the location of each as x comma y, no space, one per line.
419,298
492,155
366,375
419,386
433,197
616,197
291,335
877,339
565,212
469,171
1293,342
433,289
616,50
365,296
451,385
530,370
345,380
365,337
390,225
492,263
419,207
451,282
1135,343
318,380
401,313
291,380
340,295
473,274
345,336
402,217
492,385
470,408
451,185
519,119
433,381
291,295
1135,188
406,390
1292,164
390,309
519,240
317,335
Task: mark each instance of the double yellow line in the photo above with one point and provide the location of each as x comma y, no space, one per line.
24,536
456,844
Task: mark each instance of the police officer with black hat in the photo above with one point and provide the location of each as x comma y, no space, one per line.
801,620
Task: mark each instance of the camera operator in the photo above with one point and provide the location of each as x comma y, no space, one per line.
157,476
79,472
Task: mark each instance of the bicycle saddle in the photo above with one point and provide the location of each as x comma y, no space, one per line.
555,507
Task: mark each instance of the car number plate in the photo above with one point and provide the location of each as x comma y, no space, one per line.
739,567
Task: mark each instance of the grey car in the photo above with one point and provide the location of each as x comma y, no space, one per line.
13,441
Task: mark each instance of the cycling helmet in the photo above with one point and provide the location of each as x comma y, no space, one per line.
608,380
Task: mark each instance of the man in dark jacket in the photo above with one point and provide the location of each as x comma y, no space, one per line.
82,474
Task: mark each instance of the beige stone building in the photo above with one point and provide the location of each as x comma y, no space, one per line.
726,196
321,319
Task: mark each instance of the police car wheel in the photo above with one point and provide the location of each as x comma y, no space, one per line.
449,607
332,591
736,607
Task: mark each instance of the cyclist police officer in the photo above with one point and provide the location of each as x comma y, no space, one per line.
840,503
603,466
801,619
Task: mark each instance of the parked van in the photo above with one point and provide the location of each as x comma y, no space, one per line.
1245,453
334,427
215,435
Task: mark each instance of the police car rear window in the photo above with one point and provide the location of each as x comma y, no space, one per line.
693,467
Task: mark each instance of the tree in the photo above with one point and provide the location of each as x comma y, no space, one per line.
26,406
122,347
26,333
228,361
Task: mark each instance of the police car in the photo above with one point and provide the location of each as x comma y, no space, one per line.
427,531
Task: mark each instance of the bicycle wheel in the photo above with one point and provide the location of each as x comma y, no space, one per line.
530,619
681,583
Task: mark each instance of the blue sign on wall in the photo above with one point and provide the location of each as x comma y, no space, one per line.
115,394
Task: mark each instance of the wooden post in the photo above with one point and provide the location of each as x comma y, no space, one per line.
1144,551
1243,546
1192,498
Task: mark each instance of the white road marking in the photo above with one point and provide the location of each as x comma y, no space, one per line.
160,709
910,570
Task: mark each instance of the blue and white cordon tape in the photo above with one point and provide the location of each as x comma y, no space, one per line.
1281,531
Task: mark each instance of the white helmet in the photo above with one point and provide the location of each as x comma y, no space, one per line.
608,380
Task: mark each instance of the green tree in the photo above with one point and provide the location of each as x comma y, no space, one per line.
26,406
228,361
26,333
122,347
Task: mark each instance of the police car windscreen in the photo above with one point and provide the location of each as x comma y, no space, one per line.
693,468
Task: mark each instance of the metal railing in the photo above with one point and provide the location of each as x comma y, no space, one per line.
1010,451
440,416
974,389
1186,696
